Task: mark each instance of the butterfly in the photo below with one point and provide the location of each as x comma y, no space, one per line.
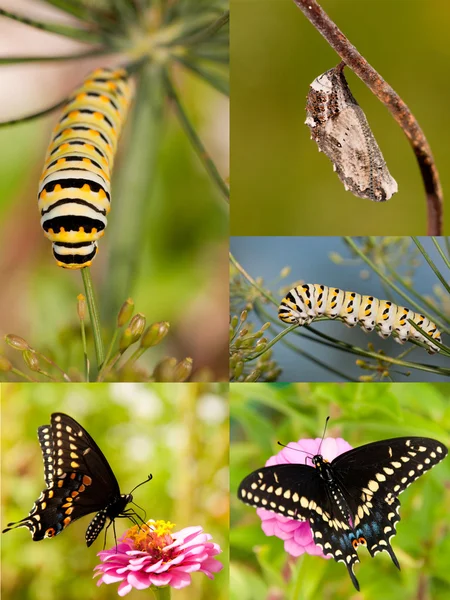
79,482
349,502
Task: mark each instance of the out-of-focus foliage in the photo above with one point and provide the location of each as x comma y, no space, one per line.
281,184
263,414
177,432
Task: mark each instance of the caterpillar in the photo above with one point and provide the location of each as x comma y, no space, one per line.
74,190
305,302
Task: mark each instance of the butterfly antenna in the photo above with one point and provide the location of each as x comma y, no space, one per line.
323,434
297,449
149,478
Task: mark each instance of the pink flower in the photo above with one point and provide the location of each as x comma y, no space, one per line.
297,535
150,555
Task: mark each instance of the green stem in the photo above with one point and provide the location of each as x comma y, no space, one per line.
441,252
204,34
431,263
41,113
81,35
416,294
382,276
133,358
94,315
132,190
107,367
53,364
9,60
252,281
110,349
350,349
161,593
216,80
339,345
85,355
20,373
194,139
303,353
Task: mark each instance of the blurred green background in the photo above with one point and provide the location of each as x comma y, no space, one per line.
177,432
281,184
262,414
165,245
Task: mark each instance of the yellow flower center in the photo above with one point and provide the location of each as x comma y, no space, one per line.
152,538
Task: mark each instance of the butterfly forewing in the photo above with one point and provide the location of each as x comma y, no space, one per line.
285,489
46,443
75,450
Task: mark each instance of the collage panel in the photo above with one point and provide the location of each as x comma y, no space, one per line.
122,106
375,126
171,535
238,429
307,516
396,287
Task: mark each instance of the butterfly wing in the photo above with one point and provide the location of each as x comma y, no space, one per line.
78,477
371,478
298,492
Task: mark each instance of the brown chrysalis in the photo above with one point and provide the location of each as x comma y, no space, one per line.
340,129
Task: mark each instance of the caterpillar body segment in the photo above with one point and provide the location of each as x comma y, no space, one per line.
75,187
305,302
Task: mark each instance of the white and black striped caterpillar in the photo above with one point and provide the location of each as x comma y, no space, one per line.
305,302
74,189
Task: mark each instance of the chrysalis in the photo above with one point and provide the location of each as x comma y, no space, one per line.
340,128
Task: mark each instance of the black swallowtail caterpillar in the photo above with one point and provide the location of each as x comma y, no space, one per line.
305,302
74,189
79,482
349,502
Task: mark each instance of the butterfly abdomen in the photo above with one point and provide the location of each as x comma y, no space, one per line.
74,189
304,303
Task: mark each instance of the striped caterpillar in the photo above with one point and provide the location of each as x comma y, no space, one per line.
305,302
74,190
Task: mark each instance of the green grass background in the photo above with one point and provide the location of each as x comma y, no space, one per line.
177,432
281,184
262,414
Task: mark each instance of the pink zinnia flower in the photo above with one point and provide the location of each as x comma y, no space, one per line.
150,555
297,535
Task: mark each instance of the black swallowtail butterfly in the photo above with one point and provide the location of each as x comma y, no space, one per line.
79,482
349,502
339,127
305,302
74,189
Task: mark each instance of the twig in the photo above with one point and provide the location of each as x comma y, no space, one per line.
383,91
194,138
